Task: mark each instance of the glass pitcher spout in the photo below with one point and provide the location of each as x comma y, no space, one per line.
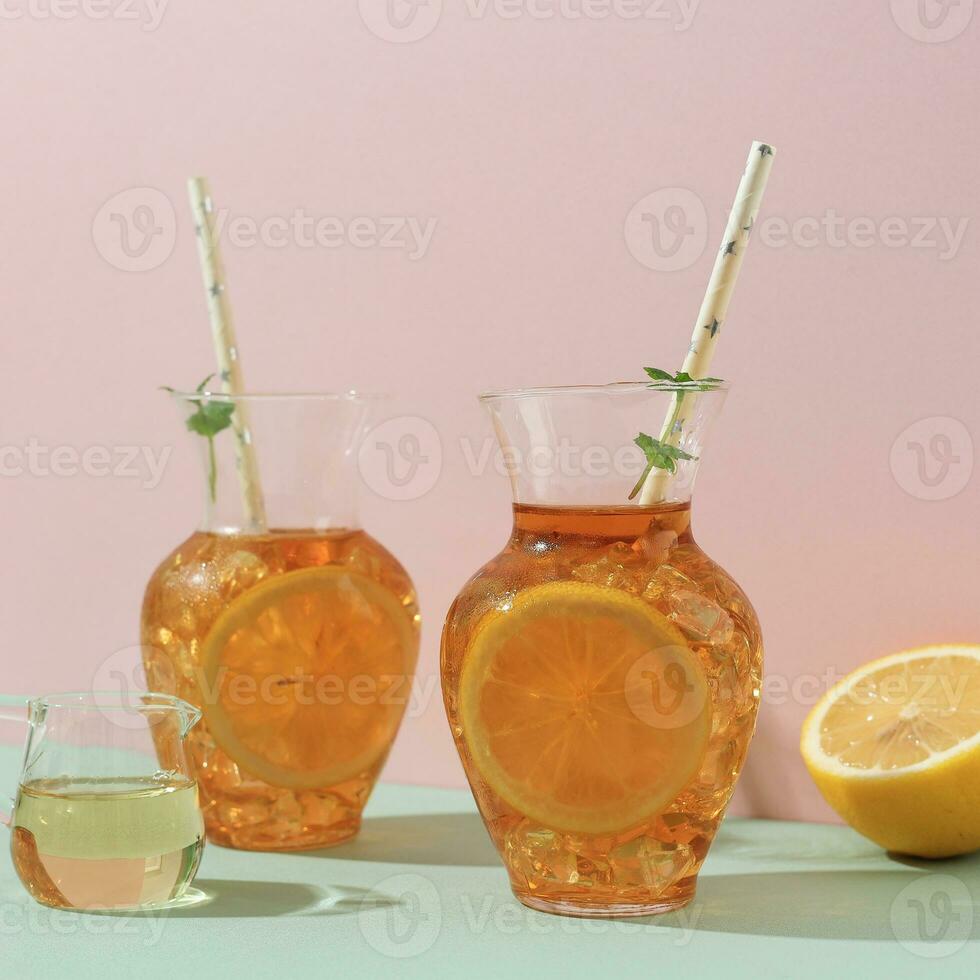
190,717
115,707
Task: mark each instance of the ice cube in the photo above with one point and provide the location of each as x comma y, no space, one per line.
240,570
319,808
647,862
221,772
158,660
536,852
665,580
366,562
614,567
700,618
175,602
248,813
718,767
655,545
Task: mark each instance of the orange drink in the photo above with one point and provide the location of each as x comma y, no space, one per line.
601,676
298,644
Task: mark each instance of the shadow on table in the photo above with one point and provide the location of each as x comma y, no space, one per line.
264,899
830,904
423,838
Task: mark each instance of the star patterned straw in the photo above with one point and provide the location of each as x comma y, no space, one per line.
226,348
714,306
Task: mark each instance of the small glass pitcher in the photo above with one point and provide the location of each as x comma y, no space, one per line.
106,814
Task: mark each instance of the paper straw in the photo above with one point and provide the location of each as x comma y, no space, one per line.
225,347
714,306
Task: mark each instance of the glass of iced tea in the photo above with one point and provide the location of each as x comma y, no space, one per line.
602,674
293,630
107,813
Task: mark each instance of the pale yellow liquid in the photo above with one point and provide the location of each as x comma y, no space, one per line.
119,842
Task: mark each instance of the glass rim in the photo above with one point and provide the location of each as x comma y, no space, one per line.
613,388
355,397
109,700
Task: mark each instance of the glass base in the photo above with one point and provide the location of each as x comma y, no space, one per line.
241,840
188,899
590,910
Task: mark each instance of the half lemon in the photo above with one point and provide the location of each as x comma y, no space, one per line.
895,749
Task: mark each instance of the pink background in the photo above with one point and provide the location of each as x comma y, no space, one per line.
529,141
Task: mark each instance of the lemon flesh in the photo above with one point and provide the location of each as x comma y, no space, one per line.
304,676
583,708
895,749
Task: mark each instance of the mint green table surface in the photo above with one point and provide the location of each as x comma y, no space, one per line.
421,893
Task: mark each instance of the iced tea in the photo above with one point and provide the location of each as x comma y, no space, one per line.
299,647
601,678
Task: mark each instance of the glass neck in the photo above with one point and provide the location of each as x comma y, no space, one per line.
276,463
623,446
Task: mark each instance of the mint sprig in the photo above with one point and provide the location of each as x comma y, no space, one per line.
208,419
660,455
682,378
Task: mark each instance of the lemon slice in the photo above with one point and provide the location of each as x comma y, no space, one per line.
895,749
305,676
583,707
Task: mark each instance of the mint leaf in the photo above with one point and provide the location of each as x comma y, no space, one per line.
682,378
647,443
211,418
662,455
659,455
208,419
